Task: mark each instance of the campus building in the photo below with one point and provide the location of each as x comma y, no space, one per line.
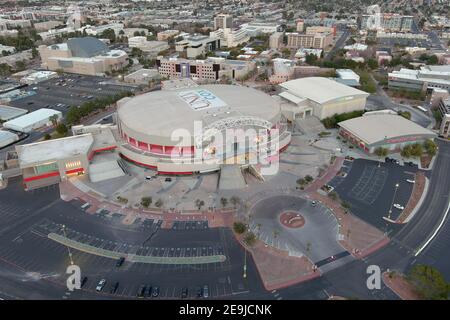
211,69
231,37
427,78
86,55
196,45
319,97
297,40
444,109
222,21
388,22
390,131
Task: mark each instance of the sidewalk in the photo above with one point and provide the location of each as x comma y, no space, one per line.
219,218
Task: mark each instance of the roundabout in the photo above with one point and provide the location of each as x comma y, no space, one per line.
298,226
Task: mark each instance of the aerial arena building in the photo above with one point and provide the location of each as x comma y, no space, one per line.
195,130
180,130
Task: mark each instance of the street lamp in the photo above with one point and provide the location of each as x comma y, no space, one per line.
245,264
393,199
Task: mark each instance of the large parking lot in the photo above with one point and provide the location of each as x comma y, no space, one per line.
369,188
68,90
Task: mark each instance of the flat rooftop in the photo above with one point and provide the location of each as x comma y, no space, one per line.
53,150
321,90
378,127
8,113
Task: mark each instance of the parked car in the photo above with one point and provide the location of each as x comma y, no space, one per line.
149,291
184,293
398,206
155,291
199,292
141,291
83,281
114,287
205,291
101,284
120,262
410,181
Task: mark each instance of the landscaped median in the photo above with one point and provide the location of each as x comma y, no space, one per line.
133,257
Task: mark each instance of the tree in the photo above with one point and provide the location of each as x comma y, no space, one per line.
47,136
430,147
428,282
224,202
159,203
250,238
199,203
235,200
146,201
372,64
381,152
311,59
34,53
54,119
239,227
20,65
61,129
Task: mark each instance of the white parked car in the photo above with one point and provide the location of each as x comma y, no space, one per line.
100,285
410,181
398,206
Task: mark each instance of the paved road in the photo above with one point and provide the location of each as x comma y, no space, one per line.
339,44
380,102
22,211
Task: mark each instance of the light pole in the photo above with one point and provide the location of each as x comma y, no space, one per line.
393,199
245,264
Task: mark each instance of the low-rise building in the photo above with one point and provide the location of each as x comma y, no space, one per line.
86,55
257,28
393,132
231,37
428,77
33,120
8,113
134,32
38,76
166,34
320,97
297,40
444,109
276,40
211,69
149,47
143,76
303,52
197,45
347,77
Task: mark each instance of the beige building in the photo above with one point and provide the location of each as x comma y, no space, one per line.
87,55
276,40
231,37
211,69
150,47
297,40
444,109
320,97
166,34
222,21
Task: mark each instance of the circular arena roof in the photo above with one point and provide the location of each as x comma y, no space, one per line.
159,113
